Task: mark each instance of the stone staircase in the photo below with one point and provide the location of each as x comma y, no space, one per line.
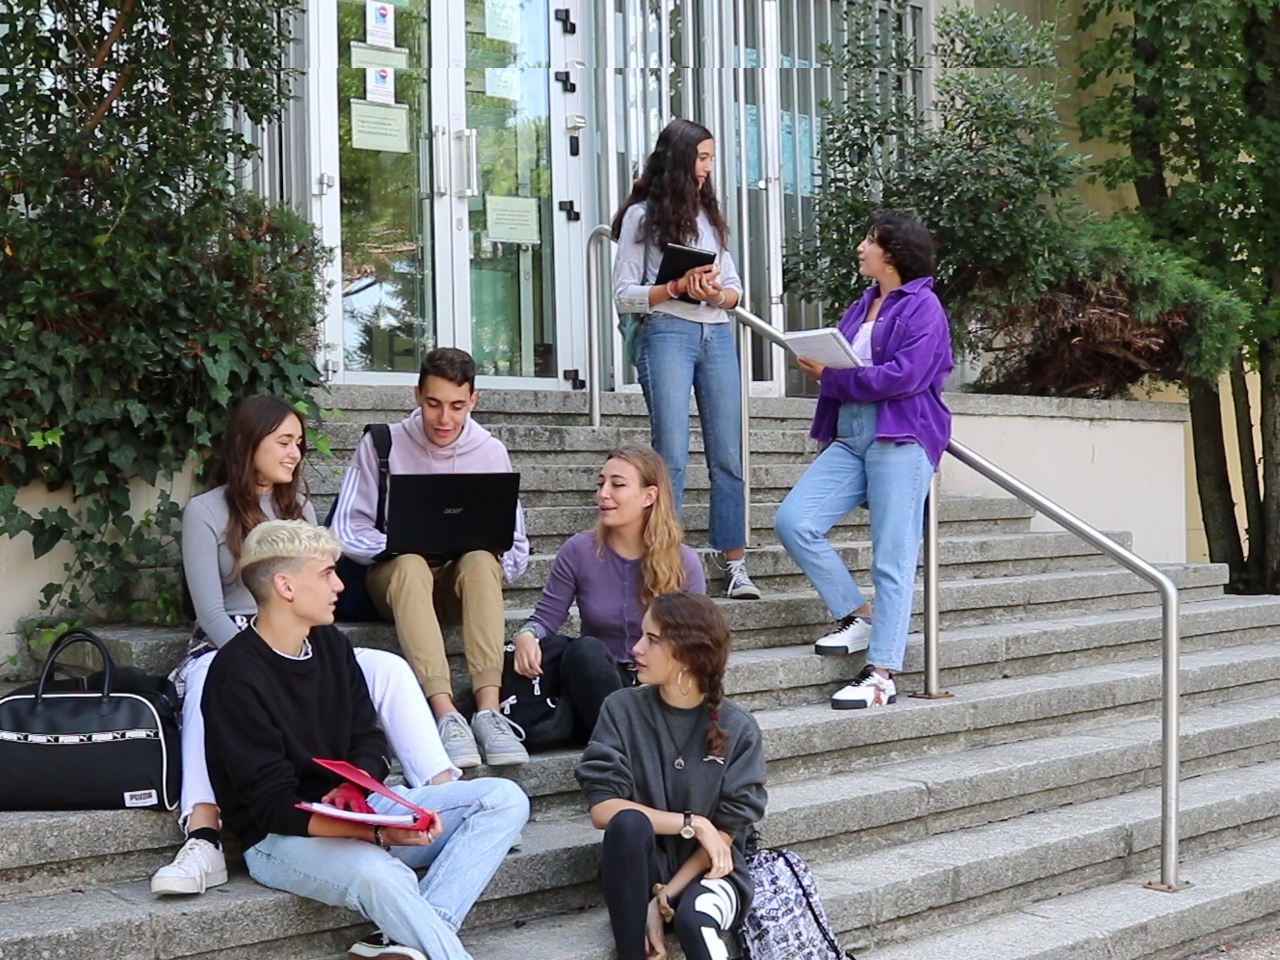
1016,821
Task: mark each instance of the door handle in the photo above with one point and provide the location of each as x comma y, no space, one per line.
440,165
471,140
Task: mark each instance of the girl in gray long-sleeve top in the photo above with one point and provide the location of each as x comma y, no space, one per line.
686,340
675,776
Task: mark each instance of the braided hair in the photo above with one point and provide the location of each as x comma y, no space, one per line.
700,641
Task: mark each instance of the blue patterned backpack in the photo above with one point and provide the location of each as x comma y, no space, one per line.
786,920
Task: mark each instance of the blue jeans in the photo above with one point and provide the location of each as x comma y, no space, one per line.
481,819
893,480
673,356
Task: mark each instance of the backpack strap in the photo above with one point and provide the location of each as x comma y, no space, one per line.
382,447
786,855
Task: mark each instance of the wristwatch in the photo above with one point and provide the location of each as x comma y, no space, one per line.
687,831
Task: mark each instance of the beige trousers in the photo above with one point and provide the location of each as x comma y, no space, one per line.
414,595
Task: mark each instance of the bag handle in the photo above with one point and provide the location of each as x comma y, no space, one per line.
68,639
831,941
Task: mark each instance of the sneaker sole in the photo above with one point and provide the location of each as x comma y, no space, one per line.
836,651
185,886
508,760
361,952
469,762
851,705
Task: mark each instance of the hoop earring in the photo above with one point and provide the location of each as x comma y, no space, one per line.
683,692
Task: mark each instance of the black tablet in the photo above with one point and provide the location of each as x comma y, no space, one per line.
678,260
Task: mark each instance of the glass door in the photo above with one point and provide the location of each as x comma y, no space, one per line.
449,125
500,209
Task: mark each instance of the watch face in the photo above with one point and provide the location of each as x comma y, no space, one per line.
687,832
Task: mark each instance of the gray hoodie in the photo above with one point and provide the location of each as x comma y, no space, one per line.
475,451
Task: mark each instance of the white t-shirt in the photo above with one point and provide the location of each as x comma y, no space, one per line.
862,342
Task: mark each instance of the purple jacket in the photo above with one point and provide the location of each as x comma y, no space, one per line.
911,353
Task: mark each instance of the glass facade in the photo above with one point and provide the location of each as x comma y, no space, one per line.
460,152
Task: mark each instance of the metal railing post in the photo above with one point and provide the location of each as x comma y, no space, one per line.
1169,760
744,363
595,244
929,563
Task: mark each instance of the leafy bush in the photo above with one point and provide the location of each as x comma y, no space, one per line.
1053,301
1128,311
141,294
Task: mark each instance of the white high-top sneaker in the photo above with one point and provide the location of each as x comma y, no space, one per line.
198,866
851,634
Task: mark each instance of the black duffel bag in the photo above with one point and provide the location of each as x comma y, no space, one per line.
101,742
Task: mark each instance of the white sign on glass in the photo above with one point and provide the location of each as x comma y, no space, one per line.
512,219
380,23
380,126
380,85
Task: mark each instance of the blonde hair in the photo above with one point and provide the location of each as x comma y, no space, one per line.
275,546
662,568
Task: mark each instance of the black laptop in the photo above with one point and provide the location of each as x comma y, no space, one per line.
442,516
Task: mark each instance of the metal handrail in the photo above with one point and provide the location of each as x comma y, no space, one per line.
595,245
1169,733
749,323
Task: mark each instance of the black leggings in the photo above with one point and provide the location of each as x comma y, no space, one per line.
705,911
588,674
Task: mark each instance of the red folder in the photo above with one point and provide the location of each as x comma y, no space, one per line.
361,779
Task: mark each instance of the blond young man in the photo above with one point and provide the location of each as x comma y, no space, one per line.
288,690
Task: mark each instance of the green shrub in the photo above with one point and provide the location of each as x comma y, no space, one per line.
141,293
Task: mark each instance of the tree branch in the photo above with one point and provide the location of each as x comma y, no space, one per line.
105,105
117,28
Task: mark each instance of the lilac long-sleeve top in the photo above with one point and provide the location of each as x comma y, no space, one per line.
607,590
911,357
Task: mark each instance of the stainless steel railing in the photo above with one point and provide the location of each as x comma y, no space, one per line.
749,323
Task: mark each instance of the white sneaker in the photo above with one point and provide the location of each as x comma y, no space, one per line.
459,742
498,738
198,866
868,690
850,635
737,582
376,945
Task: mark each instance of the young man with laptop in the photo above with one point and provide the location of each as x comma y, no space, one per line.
413,575
288,721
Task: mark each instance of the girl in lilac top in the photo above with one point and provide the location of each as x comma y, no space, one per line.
634,554
886,427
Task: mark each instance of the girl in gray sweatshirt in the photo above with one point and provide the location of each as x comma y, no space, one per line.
675,776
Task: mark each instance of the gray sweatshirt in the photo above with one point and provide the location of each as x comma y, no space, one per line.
212,576
631,757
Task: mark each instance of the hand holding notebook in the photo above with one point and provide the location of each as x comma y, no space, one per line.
415,819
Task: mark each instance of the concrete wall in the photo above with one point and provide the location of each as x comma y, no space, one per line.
1117,464
22,576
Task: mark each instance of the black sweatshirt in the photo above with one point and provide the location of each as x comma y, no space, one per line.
266,716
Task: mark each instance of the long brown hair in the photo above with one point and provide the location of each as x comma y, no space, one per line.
700,640
253,420
662,568
669,190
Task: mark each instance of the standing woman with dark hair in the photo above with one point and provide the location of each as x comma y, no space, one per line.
675,776
887,426
258,479
686,341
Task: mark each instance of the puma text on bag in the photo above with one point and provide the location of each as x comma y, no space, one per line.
786,920
104,742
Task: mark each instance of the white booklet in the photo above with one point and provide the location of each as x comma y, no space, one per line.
827,345
406,820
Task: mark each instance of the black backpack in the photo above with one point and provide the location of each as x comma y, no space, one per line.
354,604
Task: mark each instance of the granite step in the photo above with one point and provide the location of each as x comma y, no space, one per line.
1230,894
574,484
549,527
554,443
370,404
980,869
781,619
838,817
965,556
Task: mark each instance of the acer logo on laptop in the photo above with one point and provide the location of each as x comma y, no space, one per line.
449,511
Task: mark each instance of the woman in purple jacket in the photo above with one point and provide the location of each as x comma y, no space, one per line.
635,553
886,427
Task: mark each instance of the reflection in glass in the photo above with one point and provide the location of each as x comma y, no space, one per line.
387,310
